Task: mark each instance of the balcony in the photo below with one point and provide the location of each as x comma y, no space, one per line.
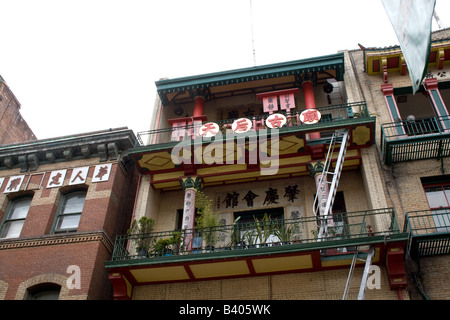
429,232
332,117
415,140
250,249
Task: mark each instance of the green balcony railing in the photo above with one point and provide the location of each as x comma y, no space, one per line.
330,114
429,232
415,140
238,237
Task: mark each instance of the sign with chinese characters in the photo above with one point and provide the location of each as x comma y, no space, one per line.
241,125
14,184
270,104
276,120
257,198
209,129
78,176
101,172
287,101
310,116
56,179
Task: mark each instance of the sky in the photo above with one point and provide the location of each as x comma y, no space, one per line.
79,66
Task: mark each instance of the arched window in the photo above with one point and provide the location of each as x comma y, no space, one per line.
69,212
15,215
44,291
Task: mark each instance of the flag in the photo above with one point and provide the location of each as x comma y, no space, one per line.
411,20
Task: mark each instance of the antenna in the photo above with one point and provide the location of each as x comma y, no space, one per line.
253,39
438,21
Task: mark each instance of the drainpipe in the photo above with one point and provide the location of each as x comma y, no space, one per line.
399,294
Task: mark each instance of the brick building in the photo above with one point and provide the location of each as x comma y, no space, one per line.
272,149
13,127
62,202
412,148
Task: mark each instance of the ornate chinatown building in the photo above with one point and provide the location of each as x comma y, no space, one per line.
262,183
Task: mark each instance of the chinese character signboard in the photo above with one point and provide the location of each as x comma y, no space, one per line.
287,101
209,129
79,175
14,184
258,198
310,116
241,125
101,172
270,104
276,120
56,178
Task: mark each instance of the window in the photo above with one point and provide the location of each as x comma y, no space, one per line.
69,212
46,291
256,235
15,217
438,196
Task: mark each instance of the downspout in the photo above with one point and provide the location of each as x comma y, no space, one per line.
399,294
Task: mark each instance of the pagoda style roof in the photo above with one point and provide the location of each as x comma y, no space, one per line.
250,78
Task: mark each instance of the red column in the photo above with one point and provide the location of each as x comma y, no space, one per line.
199,102
310,103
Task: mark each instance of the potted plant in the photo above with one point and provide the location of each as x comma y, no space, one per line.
264,229
284,232
141,229
166,246
207,221
250,237
162,246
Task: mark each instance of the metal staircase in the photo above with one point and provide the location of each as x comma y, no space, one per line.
321,210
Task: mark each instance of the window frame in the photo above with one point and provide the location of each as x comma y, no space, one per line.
9,210
441,214
60,211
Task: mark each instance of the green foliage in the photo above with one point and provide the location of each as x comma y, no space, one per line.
264,228
141,228
207,220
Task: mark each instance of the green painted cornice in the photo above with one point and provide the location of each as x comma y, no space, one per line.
297,67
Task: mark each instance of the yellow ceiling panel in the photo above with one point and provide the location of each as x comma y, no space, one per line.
235,176
220,269
282,263
221,169
160,274
167,176
157,161
166,184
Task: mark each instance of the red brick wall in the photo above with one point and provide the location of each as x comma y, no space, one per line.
13,127
108,209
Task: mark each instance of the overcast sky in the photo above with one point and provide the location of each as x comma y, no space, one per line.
85,65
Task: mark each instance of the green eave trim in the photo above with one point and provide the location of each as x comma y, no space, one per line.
317,64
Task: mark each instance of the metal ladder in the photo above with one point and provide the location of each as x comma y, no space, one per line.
362,287
343,136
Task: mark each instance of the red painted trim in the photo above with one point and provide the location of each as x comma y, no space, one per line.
431,84
119,287
387,89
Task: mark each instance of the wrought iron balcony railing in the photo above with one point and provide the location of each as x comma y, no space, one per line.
330,114
415,140
358,227
429,232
